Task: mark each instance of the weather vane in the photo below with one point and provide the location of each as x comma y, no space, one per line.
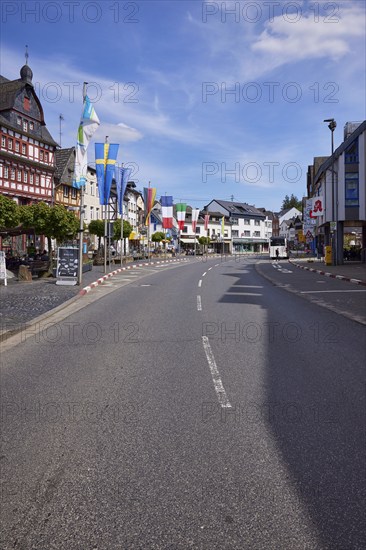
26,55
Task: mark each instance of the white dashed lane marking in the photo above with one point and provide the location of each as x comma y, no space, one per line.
219,388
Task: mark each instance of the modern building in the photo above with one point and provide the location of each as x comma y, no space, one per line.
341,182
250,228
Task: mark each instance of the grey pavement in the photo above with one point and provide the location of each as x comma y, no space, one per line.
352,271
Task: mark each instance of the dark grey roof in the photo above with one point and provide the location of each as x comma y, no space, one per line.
8,92
239,208
63,157
328,163
42,134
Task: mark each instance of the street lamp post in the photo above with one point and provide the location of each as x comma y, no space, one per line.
332,126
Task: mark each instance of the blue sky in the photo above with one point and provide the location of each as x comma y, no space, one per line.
160,75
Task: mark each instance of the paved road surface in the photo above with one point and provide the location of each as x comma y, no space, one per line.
198,407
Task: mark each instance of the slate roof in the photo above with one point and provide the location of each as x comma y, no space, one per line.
62,159
239,208
9,90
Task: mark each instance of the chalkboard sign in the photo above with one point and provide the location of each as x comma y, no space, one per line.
67,266
3,267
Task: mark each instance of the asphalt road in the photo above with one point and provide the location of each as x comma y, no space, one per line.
201,406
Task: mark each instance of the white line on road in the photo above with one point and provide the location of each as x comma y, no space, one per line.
199,303
219,388
200,282
324,291
204,274
209,269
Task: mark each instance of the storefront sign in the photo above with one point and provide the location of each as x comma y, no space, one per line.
67,266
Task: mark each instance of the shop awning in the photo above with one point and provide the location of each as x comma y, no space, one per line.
187,241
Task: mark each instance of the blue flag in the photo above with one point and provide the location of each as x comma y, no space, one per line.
105,161
122,176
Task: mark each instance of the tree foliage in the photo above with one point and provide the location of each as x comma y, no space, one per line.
55,222
127,229
204,240
158,236
96,227
290,202
9,212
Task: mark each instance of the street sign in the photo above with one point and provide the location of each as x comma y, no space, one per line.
309,235
333,226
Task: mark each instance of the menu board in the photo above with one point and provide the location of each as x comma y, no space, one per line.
67,265
3,267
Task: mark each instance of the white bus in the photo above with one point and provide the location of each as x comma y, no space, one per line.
280,244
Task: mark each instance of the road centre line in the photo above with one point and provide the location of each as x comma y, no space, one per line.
204,273
199,303
200,282
209,269
219,388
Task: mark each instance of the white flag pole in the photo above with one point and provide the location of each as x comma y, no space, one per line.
81,215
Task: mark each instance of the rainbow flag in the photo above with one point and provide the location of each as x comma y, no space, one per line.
105,161
149,199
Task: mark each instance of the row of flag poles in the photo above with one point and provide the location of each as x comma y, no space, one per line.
107,169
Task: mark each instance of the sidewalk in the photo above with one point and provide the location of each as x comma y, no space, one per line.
354,272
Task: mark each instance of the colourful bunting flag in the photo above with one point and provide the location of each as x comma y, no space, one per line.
105,161
167,211
88,124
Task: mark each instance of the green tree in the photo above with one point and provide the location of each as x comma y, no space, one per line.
290,202
9,212
96,227
158,236
127,229
54,222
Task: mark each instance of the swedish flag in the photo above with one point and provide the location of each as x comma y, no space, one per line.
105,160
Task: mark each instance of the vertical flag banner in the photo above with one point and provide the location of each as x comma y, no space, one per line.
195,214
122,176
88,124
167,211
207,219
222,226
105,161
149,199
181,214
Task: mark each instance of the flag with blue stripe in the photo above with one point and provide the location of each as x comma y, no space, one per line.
105,161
